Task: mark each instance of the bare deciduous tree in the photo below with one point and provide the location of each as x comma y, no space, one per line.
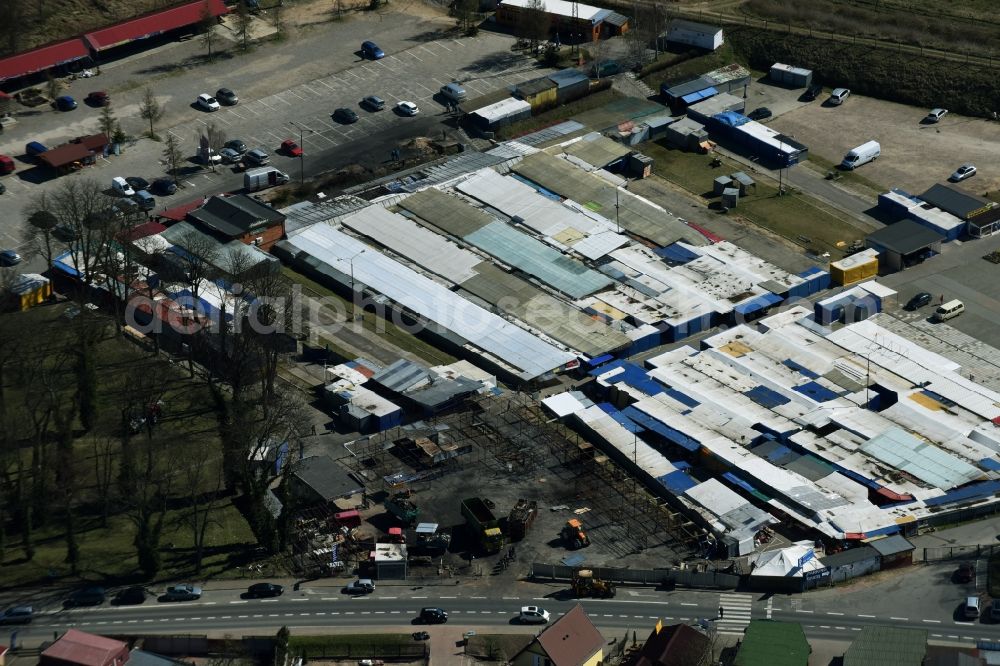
172,155
151,110
207,23
244,22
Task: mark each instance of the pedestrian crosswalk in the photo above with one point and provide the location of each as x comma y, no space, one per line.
734,613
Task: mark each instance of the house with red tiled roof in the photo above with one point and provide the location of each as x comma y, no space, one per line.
674,645
78,648
572,640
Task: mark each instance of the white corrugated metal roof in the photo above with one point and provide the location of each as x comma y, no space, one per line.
502,109
647,458
417,243
596,246
515,198
563,404
508,343
715,497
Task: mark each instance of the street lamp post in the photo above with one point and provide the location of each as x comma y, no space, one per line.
617,222
302,155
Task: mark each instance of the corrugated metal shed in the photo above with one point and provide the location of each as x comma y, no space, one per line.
503,110
417,243
449,214
635,215
892,545
515,198
597,150
555,132
556,318
880,645
921,459
402,376
527,355
534,258
304,213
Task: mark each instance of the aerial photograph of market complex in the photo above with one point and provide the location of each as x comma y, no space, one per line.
499,332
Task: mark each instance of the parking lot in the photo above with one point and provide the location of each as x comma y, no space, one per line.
415,72
914,155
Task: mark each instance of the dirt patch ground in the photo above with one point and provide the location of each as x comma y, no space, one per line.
914,156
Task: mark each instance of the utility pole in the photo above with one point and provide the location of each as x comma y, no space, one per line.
302,158
617,222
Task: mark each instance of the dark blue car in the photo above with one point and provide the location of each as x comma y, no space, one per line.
65,103
34,149
371,50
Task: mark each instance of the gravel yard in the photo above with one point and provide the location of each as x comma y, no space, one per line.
914,155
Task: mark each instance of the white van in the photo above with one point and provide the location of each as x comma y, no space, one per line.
863,154
949,310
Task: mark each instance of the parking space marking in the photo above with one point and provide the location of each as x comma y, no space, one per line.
322,82
266,104
442,46
415,55
282,99
233,111
429,91
428,50
291,91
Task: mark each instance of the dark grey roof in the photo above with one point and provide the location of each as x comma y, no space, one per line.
953,200
442,391
892,545
681,24
139,657
326,478
688,87
236,215
534,87
905,237
850,556
401,375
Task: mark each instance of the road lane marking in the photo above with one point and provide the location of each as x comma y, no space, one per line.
803,610
900,619
860,615
239,602
472,597
932,621
833,613
964,624
268,601
684,603
299,599
331,598
446,597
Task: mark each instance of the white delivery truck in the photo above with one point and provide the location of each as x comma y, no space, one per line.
263,178
863,154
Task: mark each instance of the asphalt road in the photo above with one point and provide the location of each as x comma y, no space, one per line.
221,611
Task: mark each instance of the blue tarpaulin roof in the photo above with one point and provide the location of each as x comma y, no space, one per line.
737,481
677,482
676,253
817,392
682,398
969,492
989,463
671,434
633,376
699,95
799,368
809,272
594,362
731,118
759,303
766,397
620,418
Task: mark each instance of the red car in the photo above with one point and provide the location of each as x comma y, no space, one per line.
291,148
98,98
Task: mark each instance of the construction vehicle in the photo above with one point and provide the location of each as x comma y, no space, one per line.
483,525
520,518
400,505
430,541
574,536
586,585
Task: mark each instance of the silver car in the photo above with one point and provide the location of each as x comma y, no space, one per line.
182,592
963,172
